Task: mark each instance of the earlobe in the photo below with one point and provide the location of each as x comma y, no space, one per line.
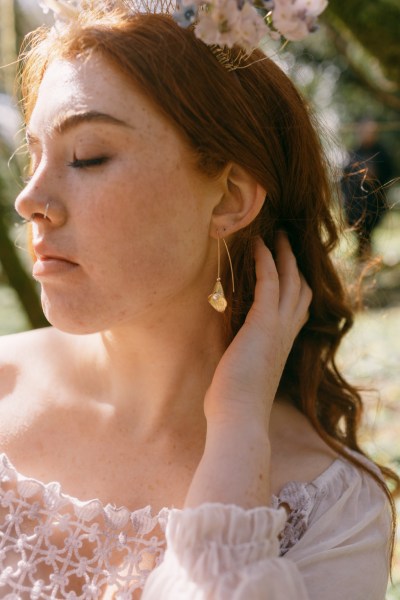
241,202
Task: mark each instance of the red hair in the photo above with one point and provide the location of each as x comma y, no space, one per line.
254,117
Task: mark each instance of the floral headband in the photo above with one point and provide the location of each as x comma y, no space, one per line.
223,23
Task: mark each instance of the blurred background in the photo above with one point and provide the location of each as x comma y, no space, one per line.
349,71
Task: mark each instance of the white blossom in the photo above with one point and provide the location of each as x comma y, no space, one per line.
219,22
251,28
218,25
295,19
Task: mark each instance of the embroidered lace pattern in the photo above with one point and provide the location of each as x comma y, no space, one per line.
299,500
55,547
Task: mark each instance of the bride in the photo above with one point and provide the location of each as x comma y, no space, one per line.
182,430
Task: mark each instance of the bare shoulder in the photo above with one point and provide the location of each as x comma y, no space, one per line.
18,355
19,347
298,452
28,362
31,357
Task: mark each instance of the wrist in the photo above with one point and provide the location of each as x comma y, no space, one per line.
239,423
234,469
241,441
243,410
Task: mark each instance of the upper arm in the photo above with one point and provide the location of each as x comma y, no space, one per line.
345,551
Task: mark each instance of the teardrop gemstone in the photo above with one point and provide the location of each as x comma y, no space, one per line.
217,298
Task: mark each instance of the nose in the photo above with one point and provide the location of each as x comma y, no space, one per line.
39,201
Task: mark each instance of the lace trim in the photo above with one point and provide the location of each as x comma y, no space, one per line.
302,498
54,499
54,546
296,496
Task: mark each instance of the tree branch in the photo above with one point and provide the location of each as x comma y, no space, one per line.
343,47
376,26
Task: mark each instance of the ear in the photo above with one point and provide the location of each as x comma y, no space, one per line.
242,200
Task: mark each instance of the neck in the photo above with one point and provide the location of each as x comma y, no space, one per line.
157,374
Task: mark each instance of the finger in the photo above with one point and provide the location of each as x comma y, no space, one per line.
302,313
267,286
290,281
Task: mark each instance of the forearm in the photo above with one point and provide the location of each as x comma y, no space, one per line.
235,467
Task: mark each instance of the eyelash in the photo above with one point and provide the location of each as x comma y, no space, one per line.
78,163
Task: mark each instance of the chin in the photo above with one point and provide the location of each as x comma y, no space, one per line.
71,321
72,326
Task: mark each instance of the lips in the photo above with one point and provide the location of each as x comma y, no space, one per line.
47,257
45,267
49,263
44,251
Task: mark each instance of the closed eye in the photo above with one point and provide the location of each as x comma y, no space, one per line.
78,163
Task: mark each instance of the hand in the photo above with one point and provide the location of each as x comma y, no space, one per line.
247,378
235,465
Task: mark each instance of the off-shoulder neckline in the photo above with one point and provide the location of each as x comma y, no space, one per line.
88,509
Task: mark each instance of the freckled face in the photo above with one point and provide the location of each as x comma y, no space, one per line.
120,197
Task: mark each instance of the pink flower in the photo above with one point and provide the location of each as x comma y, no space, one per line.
250,28
217,25
295,19
225,24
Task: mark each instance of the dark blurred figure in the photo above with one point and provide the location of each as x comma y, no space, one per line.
364,200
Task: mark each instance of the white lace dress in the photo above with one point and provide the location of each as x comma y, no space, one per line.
333,546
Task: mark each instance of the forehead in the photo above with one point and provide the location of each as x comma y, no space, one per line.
76,86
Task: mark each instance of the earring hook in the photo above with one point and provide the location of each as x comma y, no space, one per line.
217,298
230,263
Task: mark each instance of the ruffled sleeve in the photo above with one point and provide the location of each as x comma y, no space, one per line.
221,552
224,552
344,553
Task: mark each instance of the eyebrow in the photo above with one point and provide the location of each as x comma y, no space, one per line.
66,123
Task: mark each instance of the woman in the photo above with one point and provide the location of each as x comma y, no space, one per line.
148,155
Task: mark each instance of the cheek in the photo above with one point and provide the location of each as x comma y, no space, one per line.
155,201
149,219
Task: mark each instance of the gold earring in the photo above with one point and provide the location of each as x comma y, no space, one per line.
217,297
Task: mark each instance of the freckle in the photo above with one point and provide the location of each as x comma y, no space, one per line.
261,477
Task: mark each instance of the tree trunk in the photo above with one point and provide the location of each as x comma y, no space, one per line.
17,276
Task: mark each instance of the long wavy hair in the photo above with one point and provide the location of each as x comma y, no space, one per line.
252,116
